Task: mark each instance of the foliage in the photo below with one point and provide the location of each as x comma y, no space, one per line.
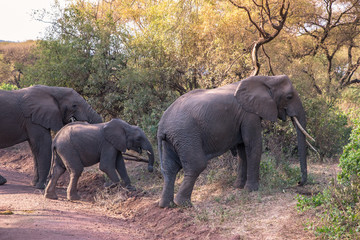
350,159
339,203
132,59
275,175
14,57
8,86
89,51
328,125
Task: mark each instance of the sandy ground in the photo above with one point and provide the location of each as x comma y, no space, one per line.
31,216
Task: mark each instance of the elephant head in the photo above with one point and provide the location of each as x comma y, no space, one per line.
53,107
271,98
125,136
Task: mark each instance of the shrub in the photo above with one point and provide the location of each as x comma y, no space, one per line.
339,203
350,159
278,176
328,125
8,87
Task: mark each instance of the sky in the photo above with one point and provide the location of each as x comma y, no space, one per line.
16,21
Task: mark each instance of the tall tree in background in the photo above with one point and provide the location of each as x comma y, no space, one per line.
15,57
333,28
268,18
133,58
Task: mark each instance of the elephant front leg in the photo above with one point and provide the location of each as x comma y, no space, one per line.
121,169
108,162
40,144
241,168
251,134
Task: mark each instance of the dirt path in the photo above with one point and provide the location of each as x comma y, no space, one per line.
219,213
35,217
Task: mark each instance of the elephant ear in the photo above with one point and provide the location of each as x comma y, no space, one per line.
114,133
255,96
42,108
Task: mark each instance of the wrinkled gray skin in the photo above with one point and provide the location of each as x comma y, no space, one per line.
30,113
203,124
80,145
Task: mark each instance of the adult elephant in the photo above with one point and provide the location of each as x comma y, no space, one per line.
30,113
203,124
80,145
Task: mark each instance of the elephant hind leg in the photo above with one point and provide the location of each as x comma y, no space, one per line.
57,171
191,173
170,166
72,193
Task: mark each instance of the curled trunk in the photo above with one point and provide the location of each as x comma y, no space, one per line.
146,145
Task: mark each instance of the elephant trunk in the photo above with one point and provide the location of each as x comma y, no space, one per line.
94,117
301,138
146,145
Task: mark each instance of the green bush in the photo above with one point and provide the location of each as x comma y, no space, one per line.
8,86
339,203
274,176
328,125
350,159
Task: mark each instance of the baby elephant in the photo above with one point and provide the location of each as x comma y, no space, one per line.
79,145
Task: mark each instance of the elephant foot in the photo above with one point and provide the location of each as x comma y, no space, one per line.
251,187
238,184
165,203
74,196
182,202
2,180
130,188
51,195
33,183
40,185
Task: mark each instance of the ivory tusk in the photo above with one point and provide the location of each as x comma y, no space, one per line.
313,148
302,129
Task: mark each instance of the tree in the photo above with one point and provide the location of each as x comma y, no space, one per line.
334,28
15,56
268,25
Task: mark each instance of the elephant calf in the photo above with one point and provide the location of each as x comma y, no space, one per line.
79,145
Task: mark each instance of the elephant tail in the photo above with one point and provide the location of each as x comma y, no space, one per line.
159,141
53,156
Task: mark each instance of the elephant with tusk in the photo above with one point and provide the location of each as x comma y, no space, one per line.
203,124
29,114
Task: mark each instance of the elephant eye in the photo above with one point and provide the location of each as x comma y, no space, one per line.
74,106
289,97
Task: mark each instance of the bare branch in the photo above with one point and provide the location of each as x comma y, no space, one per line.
265,36
271,71
248,13
317,88
131,157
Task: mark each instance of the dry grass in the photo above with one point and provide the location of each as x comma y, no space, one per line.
222,209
